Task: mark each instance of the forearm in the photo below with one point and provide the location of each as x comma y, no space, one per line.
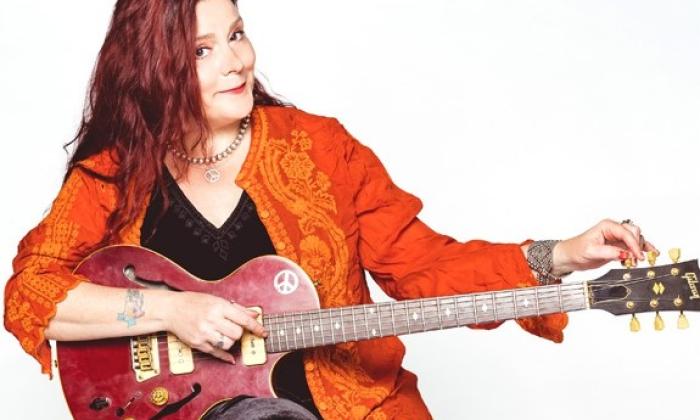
92,311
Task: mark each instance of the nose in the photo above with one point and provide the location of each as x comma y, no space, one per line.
231,61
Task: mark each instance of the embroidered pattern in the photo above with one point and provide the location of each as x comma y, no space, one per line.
285,171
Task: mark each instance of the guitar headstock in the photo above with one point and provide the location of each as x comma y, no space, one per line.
671,287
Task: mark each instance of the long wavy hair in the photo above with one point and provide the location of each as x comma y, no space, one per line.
143,91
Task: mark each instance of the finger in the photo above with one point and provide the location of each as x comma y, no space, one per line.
218,353
229,328
649,247
634,230
238,314
618,232
608,253
220,341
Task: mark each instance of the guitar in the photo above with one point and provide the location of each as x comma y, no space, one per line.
156,375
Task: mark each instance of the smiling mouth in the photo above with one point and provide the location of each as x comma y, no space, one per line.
236,89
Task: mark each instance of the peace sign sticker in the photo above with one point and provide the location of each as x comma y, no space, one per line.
286,282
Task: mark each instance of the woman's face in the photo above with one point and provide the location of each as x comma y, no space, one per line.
225,62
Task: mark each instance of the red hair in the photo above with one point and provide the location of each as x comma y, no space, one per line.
143,91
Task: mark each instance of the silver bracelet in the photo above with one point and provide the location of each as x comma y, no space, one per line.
539,258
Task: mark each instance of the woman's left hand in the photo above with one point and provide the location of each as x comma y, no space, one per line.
607,241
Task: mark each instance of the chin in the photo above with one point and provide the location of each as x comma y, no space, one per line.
231,111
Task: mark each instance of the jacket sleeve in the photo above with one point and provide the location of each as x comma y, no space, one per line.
409,260
42,270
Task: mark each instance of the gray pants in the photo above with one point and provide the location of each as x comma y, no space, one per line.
260,409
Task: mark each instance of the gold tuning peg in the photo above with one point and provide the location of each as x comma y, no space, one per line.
634,324
629,263
675,254
658,322
682,321
651,258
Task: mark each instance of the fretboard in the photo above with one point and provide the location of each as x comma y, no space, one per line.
300,330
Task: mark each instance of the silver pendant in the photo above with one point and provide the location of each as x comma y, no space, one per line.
212,175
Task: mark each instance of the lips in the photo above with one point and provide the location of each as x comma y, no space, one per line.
237,89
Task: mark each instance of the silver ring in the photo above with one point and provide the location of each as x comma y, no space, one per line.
220,343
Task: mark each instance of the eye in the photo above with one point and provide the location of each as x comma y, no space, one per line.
237,36
202,52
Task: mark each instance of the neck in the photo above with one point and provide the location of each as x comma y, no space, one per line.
219,139
298,330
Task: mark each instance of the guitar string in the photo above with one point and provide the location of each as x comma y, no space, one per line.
429,322
465,297
432,323
466,308
487,295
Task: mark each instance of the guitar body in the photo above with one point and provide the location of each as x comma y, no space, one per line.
98,378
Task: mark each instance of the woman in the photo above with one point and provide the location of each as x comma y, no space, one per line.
180,144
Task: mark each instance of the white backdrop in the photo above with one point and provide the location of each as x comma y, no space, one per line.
510,119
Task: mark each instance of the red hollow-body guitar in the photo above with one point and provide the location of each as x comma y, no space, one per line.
157,376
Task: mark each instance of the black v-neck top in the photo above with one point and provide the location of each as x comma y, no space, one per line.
185,236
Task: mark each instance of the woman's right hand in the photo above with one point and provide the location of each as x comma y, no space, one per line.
210,323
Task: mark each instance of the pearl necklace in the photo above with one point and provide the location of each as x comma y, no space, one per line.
212,174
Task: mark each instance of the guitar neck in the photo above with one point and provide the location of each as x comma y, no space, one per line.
300,330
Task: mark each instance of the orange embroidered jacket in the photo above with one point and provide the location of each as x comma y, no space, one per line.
328,204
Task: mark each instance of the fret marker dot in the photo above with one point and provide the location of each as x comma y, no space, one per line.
337,325
526,302
371,310
484,307
281,332
315,327
298,330
447,312
415,316
374,332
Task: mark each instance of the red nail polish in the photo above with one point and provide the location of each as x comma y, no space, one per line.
623,255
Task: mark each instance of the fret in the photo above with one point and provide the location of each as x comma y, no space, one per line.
272,337
393,320
321,331
454,299
379,320
439,311
537,301
422,314
493,302
333,324
364,312
374,311
354,325
408,318
515,305
294,333
317,328
301,326
476,315
342,325
311,328
284,330
561,305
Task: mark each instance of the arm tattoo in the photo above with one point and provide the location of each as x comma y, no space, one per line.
133,307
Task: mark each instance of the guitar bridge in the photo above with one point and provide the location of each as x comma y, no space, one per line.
145,361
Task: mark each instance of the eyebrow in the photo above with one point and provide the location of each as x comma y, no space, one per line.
210,35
